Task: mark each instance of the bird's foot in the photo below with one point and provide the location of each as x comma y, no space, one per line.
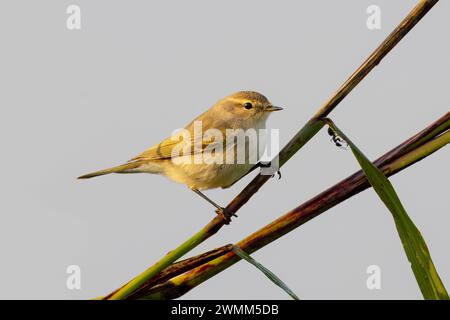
279,174
226,214
268,164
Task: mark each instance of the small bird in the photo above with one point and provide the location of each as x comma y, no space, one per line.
242,110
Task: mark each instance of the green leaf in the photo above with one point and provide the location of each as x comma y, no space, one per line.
415,247
269,274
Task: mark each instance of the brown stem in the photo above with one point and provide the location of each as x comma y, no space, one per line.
181,267
374,59
175,269
314,125
301,214
418,12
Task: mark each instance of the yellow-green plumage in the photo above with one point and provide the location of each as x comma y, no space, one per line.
118,169
227,113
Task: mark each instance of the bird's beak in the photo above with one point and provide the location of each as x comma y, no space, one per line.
273,108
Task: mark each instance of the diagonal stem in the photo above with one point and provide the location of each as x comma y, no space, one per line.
395,160
390,163
294,145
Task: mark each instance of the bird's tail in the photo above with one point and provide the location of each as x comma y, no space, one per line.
124,168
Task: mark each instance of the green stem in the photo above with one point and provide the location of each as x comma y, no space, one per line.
354,184
166,261
413,243
300,139
421,152
297,142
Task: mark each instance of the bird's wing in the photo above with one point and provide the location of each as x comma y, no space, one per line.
165,149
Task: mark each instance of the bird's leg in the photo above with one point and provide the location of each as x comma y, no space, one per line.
224,212
261,164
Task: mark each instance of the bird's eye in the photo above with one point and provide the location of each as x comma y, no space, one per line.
248,105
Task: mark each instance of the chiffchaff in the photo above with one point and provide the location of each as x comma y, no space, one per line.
209,160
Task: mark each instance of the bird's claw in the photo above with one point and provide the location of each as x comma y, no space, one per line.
279,174
268,164
226,214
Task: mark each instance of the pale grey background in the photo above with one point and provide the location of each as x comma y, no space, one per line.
76,101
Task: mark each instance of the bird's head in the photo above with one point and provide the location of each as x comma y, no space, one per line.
247,106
